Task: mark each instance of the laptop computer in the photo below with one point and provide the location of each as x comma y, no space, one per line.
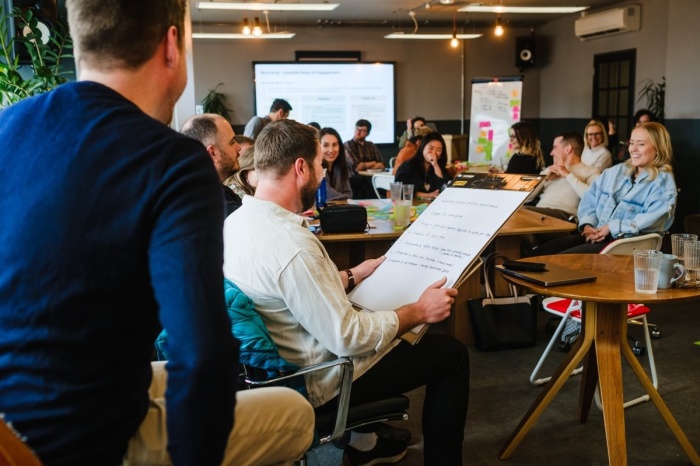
554,275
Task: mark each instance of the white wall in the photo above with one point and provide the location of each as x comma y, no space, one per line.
683,60
568,78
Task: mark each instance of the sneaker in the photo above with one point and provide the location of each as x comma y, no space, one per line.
386,451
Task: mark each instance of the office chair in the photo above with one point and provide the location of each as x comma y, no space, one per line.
332,425
382,181
13,451
571,309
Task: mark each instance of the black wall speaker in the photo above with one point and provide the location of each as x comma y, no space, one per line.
525,52
46,11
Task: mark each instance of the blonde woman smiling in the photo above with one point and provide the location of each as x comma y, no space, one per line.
629,199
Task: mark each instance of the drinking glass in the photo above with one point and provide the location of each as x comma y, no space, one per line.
402,208
647,263
407,192
395,191
677,242
691,250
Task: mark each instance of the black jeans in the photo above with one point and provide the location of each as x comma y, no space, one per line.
439,362
572,244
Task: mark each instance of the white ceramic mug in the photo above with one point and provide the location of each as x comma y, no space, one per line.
670,272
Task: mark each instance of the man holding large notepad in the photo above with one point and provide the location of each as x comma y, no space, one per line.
274,259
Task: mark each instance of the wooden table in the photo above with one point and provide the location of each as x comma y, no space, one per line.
602,343
349,249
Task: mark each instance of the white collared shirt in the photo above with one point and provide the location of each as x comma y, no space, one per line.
272,256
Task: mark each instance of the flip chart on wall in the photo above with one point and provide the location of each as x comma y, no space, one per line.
496,105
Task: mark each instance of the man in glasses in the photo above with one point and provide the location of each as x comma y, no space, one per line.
362,155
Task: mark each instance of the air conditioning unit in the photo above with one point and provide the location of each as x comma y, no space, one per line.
605,23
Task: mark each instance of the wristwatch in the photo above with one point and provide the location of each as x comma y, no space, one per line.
351,281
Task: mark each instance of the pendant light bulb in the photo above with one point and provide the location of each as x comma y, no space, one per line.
454,42
246,27
498,31
257,31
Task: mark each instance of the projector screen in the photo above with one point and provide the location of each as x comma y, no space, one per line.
331,94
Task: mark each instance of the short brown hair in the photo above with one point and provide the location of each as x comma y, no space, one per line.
112,34
281,143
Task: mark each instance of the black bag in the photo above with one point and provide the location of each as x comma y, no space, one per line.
503,323
343,218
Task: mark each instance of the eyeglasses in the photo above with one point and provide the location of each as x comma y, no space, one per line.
594,135
361,130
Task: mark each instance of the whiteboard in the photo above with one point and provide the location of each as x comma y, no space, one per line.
496,106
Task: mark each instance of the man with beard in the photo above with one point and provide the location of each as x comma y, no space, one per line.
123,235
275,260
218,138
362,155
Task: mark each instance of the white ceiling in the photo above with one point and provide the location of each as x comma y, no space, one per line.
392,14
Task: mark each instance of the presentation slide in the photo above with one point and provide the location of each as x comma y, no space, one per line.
332,94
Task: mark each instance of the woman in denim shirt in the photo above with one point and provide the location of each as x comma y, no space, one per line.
630,199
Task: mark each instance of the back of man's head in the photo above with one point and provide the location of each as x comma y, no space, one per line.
202,128
417,119
282,142
109,34
575,140
280,104
364,123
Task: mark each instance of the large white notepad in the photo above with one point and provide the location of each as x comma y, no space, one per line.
445,240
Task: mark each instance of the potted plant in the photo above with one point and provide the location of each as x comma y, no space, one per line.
216,102
655,96
18,83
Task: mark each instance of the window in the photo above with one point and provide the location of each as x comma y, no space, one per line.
613,89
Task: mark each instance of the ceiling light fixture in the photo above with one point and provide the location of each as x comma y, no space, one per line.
267,6
246,27
498,30
257,31
454,42
401,35
522,9
226,35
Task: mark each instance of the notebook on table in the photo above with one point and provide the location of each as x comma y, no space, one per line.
554,275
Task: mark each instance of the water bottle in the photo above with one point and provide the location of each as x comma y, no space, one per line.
321,194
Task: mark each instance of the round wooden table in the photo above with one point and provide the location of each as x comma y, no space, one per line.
602,343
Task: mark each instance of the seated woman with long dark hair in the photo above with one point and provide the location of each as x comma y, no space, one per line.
426,170
337,174
629,199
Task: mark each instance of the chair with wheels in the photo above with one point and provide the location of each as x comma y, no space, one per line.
263,366
570,310
332,425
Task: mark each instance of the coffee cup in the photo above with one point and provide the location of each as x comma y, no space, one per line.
670,271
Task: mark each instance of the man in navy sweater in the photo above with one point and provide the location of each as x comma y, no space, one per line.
112,227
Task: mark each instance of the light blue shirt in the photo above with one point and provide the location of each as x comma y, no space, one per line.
629,208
